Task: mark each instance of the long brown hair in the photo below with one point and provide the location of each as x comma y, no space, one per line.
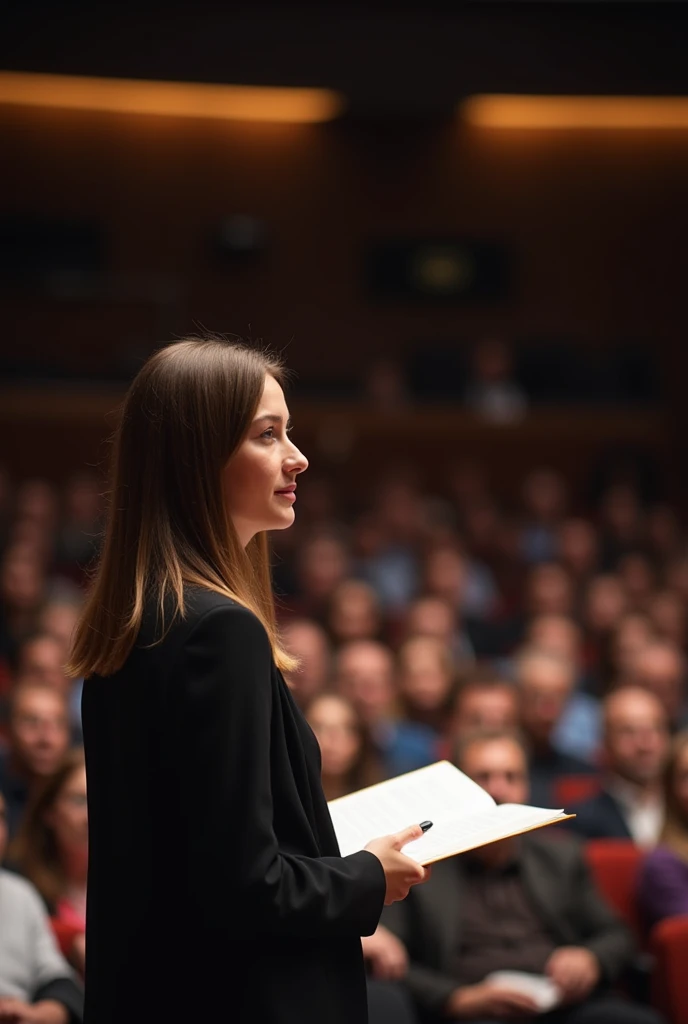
34,849
185,414
675,830
366,769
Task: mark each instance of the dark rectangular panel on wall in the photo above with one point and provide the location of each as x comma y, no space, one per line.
33,249
436,270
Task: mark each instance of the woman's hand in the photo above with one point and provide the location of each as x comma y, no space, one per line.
386,954
400,871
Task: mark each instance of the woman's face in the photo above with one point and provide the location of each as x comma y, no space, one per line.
334,724
68,817
260,479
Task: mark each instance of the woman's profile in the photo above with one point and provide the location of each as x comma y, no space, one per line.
216,890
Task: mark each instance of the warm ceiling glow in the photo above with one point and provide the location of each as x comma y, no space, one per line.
503,111
174,99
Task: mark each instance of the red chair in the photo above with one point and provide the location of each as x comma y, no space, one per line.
614,864
571,789
669,944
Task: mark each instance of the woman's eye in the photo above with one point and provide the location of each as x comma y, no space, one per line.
269,433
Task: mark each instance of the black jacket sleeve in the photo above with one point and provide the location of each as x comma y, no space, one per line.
240,873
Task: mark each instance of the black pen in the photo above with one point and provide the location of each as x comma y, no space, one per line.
425,825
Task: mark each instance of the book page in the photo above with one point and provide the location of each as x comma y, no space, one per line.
464,816
426,794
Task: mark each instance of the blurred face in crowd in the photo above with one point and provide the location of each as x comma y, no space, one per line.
265,463
621,513
499,766
365,676
667,612
638,578
431,616
636,738
21,580
354,611
578,546
58,620
425,673
558,635
605,604
82,500
445,574
3,827
633,634
334,722
485,706
545,685
41,660
307,642
544,495
660,668
68,816
39,729
37,500
323,563
549,590
663,530
399,511
32,535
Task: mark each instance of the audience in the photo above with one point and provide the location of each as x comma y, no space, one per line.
525,904
51,851
37,743
37,985
419,611
630,804
663,887
545,681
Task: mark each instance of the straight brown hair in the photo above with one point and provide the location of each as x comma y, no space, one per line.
675,830
185,414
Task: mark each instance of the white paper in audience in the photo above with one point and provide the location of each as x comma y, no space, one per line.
464,816
541,989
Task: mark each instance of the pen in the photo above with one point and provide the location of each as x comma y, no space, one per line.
425,825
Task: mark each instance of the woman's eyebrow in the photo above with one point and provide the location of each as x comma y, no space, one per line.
270,417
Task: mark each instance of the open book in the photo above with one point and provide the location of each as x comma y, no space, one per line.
464,816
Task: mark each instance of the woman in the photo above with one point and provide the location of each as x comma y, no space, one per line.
215,890
427,682
664,877
348,756
51,850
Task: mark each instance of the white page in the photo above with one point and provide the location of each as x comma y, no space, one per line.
464,816
426,794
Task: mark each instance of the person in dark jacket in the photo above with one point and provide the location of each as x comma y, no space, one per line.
526,905
630,804
216,891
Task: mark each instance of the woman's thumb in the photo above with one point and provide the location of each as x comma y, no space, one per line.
407,836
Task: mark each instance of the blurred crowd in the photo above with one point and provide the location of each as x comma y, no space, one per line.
538,643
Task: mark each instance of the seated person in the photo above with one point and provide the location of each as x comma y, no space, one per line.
545,683
38,741
524,904
364,673
630,804
663,886
51,851
36,983
307,641
349,761
426,680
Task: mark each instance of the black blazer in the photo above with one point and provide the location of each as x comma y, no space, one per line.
216,891
560,887
600,817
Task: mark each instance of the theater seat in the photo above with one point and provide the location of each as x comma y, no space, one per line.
614,864
572,789
669,944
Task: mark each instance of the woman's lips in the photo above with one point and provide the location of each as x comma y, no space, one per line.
289,495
